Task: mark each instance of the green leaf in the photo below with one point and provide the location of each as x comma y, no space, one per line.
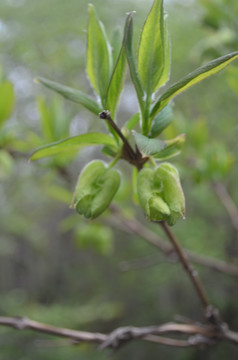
6,101
172,148
162,120
131,60
99,57
133,121
193,78
116,41
151,48
148,146
72,144
72,94
117,79
167,57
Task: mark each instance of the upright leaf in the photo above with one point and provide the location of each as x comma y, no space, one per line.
133,121
99,57
151,48
167,57
72,144
131,60
116,41
193,78
117,79
72,94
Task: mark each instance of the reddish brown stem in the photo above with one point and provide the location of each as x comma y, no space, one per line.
134,157
192,273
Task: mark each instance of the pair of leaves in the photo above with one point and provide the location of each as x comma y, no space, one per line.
106,82
154,65
153,53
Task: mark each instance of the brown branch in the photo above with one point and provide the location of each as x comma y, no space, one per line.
192,273
136,227
198,334
134,157
20,323
211,314
192,341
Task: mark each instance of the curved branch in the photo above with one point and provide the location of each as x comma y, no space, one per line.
198,334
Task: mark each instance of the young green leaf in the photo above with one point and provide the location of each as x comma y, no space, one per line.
148,146
162,120
172,148
167,57
72,94
72,144
133,121
151,49
131,60
117,79
193,78
99,57
116,41
6,101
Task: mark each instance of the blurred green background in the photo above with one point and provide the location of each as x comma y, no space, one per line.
54,266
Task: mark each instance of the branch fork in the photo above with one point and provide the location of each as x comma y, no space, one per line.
134,157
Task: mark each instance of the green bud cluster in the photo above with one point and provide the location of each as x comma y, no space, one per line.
160,193
95,189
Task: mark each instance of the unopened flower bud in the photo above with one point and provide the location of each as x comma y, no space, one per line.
160,193
95,189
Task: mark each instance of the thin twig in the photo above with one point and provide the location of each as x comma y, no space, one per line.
133,226
211,314
228,203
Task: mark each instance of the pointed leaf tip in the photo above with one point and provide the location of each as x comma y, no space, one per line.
193,78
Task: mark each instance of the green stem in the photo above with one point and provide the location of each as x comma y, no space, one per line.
114,161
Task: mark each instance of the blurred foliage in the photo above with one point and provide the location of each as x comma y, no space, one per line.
54,267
